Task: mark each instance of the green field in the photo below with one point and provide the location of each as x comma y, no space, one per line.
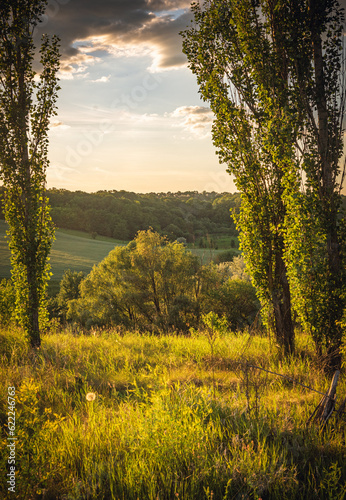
71,250
76,250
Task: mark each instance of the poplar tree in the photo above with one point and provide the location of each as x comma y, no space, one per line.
240,72
315,229
27,101
272,73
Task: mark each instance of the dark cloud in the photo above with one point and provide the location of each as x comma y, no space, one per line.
164,33
119,22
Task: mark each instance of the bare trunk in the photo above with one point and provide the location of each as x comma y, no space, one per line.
34,303
281,299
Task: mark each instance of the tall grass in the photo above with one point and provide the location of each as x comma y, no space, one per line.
158,429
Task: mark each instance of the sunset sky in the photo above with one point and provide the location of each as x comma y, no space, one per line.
129,113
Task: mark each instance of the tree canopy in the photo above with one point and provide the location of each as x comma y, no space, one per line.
272,72
121,214
156,285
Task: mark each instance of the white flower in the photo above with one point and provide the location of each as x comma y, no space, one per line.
91,396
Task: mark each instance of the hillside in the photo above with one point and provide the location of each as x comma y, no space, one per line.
78,251
71,250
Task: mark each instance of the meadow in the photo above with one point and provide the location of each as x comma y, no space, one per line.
123,416
78,251
71,250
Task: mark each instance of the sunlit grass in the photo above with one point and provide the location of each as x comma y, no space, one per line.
71,250
170,419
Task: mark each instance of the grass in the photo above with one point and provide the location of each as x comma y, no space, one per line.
158,428
71,250
87,236
77,251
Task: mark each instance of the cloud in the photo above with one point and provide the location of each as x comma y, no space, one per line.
103,79
76,65
57,124
109,25
197,120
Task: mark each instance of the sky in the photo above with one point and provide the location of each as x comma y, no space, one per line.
129,113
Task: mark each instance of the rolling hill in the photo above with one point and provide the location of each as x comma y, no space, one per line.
71,250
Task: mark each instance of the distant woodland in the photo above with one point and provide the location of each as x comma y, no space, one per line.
121,214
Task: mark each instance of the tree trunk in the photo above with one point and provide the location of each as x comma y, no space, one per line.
33,307
281,298
328,155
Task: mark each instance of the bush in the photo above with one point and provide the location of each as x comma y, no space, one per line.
233,298
226,256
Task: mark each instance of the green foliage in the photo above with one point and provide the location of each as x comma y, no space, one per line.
238,269
226,256
214,324
153,283
121,214
233,51
272,74
69,286
7,302
69,289
314,227
147,284
25,110
234,299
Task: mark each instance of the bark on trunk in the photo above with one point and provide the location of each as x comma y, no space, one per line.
281,298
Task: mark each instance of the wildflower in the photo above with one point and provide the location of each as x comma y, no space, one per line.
91,396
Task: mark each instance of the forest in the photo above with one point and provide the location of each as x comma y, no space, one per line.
121,214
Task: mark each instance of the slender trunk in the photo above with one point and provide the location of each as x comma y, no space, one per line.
327,150
34,303
33,299
156,299
281,299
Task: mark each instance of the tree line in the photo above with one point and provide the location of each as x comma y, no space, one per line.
121,214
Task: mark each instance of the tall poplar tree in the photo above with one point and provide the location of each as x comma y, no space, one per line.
236,56
26,104
315,225
271,71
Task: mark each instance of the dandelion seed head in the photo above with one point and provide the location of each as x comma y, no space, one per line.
91,396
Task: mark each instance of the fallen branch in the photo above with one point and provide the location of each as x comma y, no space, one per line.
326,406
